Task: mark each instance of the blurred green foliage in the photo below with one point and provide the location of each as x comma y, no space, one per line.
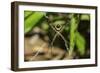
80,42
73,29
85,17
27,13
32,18
75,37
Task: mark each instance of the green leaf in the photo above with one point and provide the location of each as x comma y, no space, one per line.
27,13
72,33
73,27
80,43
32,20
85,17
